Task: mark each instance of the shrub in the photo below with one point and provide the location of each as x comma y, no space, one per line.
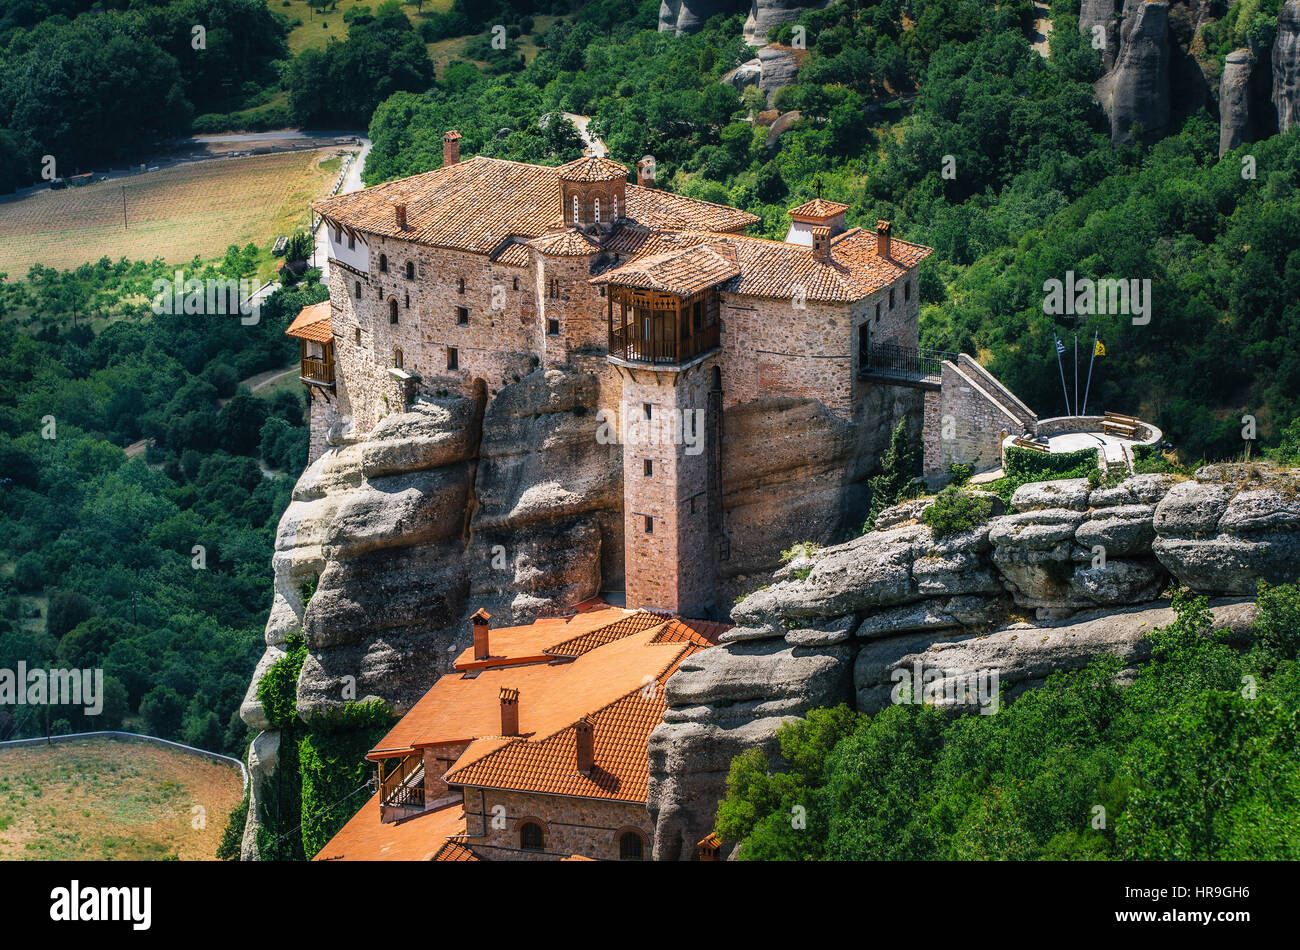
954,511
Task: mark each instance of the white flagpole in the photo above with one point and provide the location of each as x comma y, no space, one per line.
1060,348
1088,386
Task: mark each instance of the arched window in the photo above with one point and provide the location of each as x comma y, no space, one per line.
616,207
397,359
595,210
408,301
576,216
357,289
516,283
383,263
531,837
392,309
410,270
631,847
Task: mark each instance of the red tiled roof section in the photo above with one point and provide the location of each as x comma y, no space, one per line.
364,838
566,243
455,850
533,641
641,620
592,169
313,323
476,204
819,209
549,766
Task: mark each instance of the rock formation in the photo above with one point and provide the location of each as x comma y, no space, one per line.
1234,100
765,14
687,16
1071,572
1286,66
1136,92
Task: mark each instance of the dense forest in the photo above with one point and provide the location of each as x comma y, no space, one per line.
1196,758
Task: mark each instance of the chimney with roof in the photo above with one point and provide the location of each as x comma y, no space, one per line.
821,246
399,211
509,711
450,147
645,172
585,732
481,619
882,239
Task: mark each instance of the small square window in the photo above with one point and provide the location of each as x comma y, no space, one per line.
649,524
453,358
649,467
552,327
462,316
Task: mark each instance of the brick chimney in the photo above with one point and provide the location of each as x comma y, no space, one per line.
882,239
585,732
509,712
481,620
821,246
450,147
399,211
645,172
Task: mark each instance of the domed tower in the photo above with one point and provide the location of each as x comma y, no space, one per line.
593,193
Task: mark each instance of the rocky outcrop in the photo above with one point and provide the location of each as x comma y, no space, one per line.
1136,93
774,68
1098,22
766,14
687,16
1286,66
387,539
1234,100
1069,573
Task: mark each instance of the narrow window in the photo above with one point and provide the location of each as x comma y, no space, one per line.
616,207
357,334
891,298
576,217
602,290
631,847
462,316
552,327
460,285
383,263
648,410
357,289
554,287
408,301
392,310
453,358
338,235
397,358
649,468
649,524
352,242
907,290
595,210
877,311
531,837
516,283
694,498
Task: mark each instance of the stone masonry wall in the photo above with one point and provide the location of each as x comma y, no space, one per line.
974,419
589,827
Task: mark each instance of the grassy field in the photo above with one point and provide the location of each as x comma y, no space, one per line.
319,29
99,799
174,213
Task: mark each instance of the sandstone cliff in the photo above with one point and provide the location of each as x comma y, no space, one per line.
1286,66
1069,573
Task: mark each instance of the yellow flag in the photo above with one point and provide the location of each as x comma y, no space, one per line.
1100,349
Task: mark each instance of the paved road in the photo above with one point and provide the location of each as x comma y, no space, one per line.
595,147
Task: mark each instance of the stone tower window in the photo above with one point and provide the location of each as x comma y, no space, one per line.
516,284
907,290
891,298
460,285
357,289
616,207
462,316
576,216
410,270
453,358
357,335
595,214
552,327
408,301
392,310
397,358
553,287
649,524
631,847
383,263
649,468
531,837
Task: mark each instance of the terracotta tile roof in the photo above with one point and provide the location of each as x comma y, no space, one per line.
455,850
592,169
819,209
475,204
553,693
365,838
313,323
638,621
702,633
680,270
533,641
513,253
567,243
775,269
547,765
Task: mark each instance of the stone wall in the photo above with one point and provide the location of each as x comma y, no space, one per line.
973,420
589,827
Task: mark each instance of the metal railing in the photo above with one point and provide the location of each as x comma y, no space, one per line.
893,359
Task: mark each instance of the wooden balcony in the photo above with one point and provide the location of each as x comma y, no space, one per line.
319,371
662,329
401,782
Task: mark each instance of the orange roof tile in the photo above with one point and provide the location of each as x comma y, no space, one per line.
465,706
566,243
476,204
592,169
819,209
547,765
455,850
312,323
681,270
533,641
365,838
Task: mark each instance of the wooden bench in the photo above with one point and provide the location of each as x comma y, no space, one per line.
1115,423
1026,444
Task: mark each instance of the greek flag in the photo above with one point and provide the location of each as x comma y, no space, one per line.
1060,347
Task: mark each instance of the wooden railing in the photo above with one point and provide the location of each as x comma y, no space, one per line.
318,371
401,783
628,343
